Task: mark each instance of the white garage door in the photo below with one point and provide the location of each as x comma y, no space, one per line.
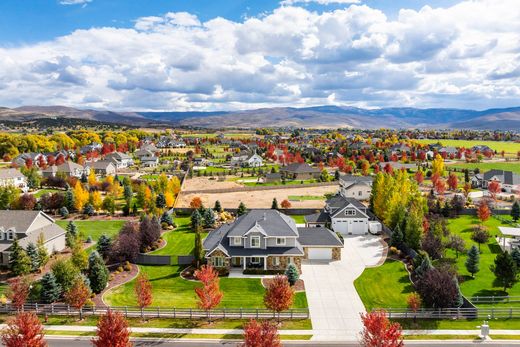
340,226
358,227
320,253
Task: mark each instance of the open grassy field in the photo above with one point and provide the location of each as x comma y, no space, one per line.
96,228
213,135
483,167
508,147
385,286
180,241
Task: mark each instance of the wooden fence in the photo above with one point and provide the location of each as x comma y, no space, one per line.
160,312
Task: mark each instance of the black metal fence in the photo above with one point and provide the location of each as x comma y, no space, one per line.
150,259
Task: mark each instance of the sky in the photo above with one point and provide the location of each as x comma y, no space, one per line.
203,55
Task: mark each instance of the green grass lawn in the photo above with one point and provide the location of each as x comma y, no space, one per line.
385,286
484,282
457,324
509,147
299,219
41,192
180,241
483,167
95,228
306,197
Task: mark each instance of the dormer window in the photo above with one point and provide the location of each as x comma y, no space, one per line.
10,235
255,241
237,241
350,212
280,241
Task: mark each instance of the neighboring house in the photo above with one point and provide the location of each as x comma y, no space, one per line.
509,181
397,165
271,177
357,187
13,177
269,240
27,226
246,159
103,167
344,215
93,147
300,171
121,160
202,162
21,160
68,168
150,161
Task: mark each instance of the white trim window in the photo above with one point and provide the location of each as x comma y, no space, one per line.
276,261
350,212
281,241
256,260
10,235
218,261
255,241
237,241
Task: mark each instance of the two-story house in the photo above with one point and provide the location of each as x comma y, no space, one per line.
121,160
509,181
68,169
269,240
27,226
357,187
246,159
13,177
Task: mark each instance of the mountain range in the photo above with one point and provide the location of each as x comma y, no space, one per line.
307,117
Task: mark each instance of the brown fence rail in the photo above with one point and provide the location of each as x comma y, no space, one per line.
160,312
454,313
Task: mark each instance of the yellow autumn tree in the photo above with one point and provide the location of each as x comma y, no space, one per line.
92,180
96,200
174,185
170,199
81,196
438,165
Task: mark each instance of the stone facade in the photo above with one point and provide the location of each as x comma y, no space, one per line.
284,262
336,253
219,253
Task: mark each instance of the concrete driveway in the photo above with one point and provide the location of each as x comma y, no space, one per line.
334,303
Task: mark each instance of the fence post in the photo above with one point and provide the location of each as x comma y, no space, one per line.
52,308
191,315
510,312
126,311
158,312
390,313
36,307
241,313
68,310
224,313
493,312
174,314
292,313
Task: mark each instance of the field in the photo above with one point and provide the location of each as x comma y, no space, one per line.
180,241
483,167
508,147
213,135
95,228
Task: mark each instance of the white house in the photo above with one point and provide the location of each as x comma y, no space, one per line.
247,159
68,168
13,177
121,160
357,187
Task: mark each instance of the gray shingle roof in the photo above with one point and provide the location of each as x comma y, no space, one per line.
299,168
339,201
272,222
20,220
321,217
506,177
10,173
318,237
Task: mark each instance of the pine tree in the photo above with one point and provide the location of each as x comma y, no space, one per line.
505,270
32,253
198,250
42,250
459,300
397,237
292,274
97,273
69,200
218,207
72,234
196,220
241,209
516,256
426,265
19,261
64,212
473,260
51,290
127,192
167,218
160,200
515,211
209,218
104,245
274,205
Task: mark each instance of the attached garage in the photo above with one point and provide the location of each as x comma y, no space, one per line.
319,253
349,226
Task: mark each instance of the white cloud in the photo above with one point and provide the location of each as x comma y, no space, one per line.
321,2
434,57
75,2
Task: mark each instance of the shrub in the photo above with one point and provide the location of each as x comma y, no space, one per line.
119,269
128,266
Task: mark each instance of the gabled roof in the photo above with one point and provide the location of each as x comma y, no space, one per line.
272,222
118,156
10,173
299,168
339,201
318,237
506,177
350,180
20,220
320,217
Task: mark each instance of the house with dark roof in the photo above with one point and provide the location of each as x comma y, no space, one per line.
357,187
509,181
269,240
103,167
27,227
300,171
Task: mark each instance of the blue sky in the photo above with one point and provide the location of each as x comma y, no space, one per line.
243,54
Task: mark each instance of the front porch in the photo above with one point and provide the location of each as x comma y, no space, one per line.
249,262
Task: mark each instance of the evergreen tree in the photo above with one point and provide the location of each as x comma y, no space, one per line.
337,175
218,207
51,290
97,273
104,245
64,212
198,252
32,253
505,270
292,274
69,200
459,300
19,261
88,210
196,220
274,205
167,218
473,260
516,256
134,209
127,192
160,200
466,175
42,250
71,236
426,265
209,218
515,211
397,237
241,209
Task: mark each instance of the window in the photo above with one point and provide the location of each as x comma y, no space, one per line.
2,235
255,241
280,241
218,261
350,212
276,261
10,235
255,260
360,192
291,260
237,240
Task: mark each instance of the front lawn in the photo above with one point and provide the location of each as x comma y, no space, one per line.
298,218
95,228
385,286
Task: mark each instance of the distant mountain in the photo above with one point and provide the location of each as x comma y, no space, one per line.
309,117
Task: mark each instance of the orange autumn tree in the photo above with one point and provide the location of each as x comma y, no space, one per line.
286,204
264,334
494,188
18,291
378,331
483,211
24,330
143,291
279,294
209,294
78,295
112,331
196,202
453,181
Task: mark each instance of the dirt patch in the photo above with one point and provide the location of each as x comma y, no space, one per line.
299,286
259,199
204,183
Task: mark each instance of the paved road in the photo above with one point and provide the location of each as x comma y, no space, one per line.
334,303
85,342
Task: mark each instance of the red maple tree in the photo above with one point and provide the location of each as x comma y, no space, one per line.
209,294
143,291
453,181
264,334
18,291
24,330
196,202
286,204
419,176
440,186
494,188
378,331
483,211
78,295
279,294
112,331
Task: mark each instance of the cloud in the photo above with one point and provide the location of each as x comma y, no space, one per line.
75,2
320,2
432,57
